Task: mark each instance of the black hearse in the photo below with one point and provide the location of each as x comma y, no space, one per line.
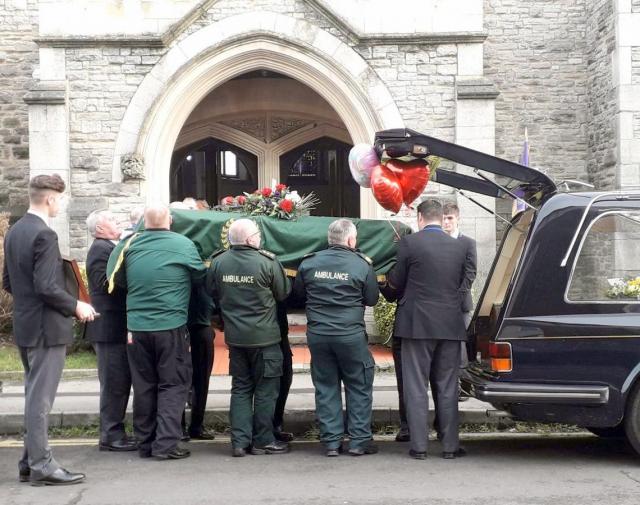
556,331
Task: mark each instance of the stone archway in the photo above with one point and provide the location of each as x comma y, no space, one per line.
236,45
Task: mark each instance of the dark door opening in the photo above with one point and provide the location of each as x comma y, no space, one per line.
212,169
322,166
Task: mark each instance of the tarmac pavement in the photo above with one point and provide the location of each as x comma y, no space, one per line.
511,470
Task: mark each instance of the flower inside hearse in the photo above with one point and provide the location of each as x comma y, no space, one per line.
280,202
628,287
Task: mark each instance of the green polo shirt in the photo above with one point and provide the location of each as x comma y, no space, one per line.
160,266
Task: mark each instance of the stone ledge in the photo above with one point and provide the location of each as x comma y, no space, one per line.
126,41
482,89
425,38
47,93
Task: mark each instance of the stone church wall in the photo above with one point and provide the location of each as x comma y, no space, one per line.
18,57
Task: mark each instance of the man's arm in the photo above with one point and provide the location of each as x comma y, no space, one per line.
280,287
371,292
97,269
195,265
45,266
299,291
470,265
6,283
397,277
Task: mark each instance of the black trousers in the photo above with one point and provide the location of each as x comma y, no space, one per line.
202,353
161,374
115,387
285,383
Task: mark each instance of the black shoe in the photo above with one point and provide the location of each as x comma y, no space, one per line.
122,445
417,455
24,474
185,437
368,448
456,454
175,453
332,452
202,435
403,435
283,436
275,447
462,398
238,452
60,477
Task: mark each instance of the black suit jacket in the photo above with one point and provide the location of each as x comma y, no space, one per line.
34,275
470,269
111,326
428,281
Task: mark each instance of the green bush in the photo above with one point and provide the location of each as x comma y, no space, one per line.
6,302
384,315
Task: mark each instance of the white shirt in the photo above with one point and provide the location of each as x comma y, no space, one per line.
41,215
455,234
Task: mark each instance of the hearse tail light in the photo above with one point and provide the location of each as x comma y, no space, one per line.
500,355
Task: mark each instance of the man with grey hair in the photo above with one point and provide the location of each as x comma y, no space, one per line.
338,283
245,283
109,334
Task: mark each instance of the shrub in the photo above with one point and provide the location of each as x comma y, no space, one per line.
384,315
6,301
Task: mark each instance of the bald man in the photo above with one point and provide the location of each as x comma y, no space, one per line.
158,268
245,283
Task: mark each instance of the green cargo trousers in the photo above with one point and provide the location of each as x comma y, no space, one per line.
255,383
346,359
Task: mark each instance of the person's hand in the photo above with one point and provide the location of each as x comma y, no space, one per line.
85,312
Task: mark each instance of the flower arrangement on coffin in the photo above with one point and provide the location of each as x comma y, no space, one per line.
280,202
629,287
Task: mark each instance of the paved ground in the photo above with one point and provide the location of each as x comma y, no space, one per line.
514,470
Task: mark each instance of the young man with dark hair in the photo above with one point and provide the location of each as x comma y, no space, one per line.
42,324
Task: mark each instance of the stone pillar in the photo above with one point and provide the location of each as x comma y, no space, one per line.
475,128
49,130
627,77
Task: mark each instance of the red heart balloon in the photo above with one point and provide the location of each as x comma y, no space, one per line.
413,177
386,188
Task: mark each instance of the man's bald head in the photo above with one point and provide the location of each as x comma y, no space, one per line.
157,216
244,232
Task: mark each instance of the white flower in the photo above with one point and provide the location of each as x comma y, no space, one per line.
293,196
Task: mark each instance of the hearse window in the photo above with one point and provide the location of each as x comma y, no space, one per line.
505,265
606,268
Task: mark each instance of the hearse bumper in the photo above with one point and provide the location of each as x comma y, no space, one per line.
496,392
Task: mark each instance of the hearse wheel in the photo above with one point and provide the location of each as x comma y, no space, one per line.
632,418
610,432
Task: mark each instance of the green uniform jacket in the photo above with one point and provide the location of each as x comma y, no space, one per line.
159,268
337,282
245,284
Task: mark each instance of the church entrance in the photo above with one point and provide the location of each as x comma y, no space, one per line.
321,166
258,129
212,169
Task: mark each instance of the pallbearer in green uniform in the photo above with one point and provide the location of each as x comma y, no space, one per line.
157,268
338,282
245,283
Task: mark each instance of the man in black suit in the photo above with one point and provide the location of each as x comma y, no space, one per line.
109,334
42,325
427,279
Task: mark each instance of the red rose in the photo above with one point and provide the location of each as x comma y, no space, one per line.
280,187
286,205
266,192
227,200
241,199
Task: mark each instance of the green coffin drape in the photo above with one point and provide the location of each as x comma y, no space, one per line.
289,240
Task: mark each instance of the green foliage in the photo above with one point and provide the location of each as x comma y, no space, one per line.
10,359
384,315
